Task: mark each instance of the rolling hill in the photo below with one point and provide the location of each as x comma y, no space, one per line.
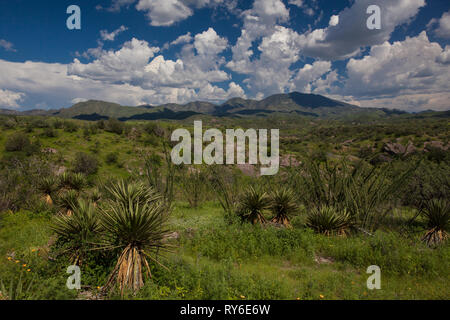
308,105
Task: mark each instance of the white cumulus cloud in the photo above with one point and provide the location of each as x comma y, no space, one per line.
345,39
10,99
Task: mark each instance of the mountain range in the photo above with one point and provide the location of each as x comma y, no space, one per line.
309,105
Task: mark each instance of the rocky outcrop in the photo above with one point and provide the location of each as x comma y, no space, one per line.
430,145
397,149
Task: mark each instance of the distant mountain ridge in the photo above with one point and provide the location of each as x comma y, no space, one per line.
308,105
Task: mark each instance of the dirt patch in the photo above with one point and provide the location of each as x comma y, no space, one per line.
323,260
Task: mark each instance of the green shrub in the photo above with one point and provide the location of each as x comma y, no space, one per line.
70,126
329,221
85,163
17,142
111,158
114,126
437,214
49,132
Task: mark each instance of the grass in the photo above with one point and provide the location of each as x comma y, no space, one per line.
213,259
218,261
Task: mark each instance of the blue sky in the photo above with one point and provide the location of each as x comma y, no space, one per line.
159,51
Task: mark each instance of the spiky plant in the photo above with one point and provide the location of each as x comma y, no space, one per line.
130,192
77,230
283,204
253,205
95,195
47,186
134,220
329,221
437,214
72,181
66,200
365,191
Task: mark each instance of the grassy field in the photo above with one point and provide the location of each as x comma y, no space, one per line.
212,257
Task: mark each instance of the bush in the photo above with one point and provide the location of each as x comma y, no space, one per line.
17,142
70,126
85,163
58,124
50,132
114,126
111,158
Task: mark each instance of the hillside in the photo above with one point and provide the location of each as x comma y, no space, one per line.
308,105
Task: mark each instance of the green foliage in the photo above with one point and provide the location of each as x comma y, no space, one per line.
363,190
194,186
438,155
111,158
20,290
283,205
72,181
226,186
17,142
437,215
50,132
95,195
329,221
85,163
77,230
66,200
134,221
217,259
70,126
253,205
114,126
161,181
47,185
430,180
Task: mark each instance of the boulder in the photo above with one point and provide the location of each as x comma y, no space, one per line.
394,148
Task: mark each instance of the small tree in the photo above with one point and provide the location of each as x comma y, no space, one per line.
194,186
17,142
114,126
85,163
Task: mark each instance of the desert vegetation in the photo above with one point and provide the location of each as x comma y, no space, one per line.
105,196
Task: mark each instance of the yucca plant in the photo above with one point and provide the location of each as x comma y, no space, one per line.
72,181
126,192
78,229
283,205
437,214
330,221
66,200
253,205
47,186
365,191
95,196
134,219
